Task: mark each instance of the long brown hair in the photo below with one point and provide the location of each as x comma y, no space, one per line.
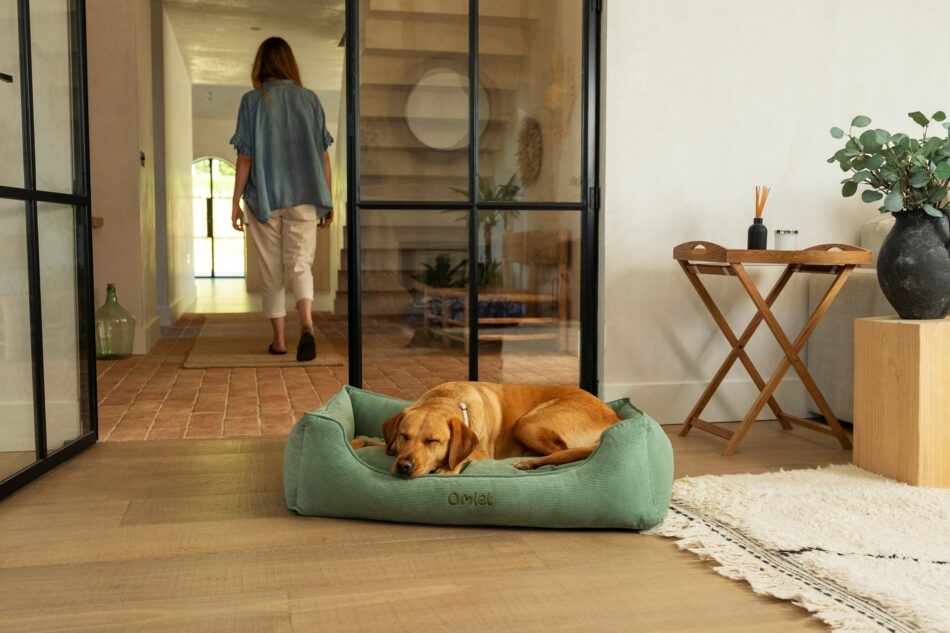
274,60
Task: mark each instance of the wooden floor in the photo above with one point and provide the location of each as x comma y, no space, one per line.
193,535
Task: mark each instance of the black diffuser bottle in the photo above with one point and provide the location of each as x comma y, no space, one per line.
758,236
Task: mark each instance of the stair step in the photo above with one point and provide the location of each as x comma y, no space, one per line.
380,134
486,8
406,70
446,164
372,219
390,259
393,34
394,303
389,102
402,279
430,238
411,187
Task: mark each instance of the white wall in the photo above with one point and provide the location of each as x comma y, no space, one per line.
178,187
704,100
211,138
119,60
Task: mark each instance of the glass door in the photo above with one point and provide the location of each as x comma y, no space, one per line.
472,182
218,248
47,356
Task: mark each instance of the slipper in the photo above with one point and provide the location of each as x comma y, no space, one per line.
271,350
307,347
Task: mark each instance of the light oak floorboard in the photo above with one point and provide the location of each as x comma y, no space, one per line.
193,535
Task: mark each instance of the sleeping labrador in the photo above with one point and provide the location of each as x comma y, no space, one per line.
459,422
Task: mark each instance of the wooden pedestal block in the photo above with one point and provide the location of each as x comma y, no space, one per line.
902,399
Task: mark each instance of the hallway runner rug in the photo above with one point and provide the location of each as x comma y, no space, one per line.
861,552
241,340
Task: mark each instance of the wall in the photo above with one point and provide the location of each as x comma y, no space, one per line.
178,158
704,101
119,62
211,138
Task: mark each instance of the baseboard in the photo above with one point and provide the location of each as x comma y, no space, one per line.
167,315
671,402
146,335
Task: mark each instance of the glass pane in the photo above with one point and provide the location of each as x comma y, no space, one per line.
17,435
53,93
414,100
221,218
530,64
229,256
528,305
223,180
202,257
414,299
201,178
11,125
199,225
65,418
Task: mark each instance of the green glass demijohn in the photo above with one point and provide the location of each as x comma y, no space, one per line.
115,328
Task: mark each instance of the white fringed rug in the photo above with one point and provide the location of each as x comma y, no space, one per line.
861,552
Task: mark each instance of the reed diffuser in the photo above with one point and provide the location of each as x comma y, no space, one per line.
758,234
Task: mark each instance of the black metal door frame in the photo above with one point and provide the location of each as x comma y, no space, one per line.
79,199
588,206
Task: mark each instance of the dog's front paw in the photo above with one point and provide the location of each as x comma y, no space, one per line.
445,471
528,465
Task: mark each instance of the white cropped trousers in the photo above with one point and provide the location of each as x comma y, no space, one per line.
285,246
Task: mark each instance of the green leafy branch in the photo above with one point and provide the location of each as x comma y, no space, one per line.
909,174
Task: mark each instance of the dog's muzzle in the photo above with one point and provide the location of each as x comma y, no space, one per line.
404,467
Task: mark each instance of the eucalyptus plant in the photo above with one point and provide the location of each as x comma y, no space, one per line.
908,174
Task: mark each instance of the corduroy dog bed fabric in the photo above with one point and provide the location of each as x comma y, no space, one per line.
626,483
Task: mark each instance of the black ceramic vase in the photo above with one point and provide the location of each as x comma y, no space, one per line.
758,236
913,266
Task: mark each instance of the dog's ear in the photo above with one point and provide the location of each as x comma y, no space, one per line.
390,429
461,444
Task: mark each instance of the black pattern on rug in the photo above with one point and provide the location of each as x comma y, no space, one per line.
783,562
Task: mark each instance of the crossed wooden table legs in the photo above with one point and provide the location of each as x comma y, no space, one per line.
724,264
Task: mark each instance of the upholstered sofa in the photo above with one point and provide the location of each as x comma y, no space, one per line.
830,350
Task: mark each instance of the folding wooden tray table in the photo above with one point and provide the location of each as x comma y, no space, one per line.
706,258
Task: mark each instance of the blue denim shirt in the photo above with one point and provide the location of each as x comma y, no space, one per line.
286,136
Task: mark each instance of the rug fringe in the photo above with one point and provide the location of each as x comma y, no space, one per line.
737,564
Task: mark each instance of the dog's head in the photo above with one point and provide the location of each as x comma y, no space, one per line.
426,439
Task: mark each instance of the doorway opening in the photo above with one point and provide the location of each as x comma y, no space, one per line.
218,248
464,244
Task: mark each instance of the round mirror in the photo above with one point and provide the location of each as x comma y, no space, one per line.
437,110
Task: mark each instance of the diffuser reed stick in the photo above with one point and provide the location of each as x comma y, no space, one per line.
758,234
761,196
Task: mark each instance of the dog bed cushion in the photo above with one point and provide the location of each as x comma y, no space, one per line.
625,483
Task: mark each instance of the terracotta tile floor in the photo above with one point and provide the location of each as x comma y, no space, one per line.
153,397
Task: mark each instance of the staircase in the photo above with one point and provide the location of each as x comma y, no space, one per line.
402,41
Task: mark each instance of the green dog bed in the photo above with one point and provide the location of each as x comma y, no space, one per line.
625,483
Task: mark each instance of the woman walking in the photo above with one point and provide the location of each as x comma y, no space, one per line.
283,173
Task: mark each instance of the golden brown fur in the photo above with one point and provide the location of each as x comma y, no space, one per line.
559,424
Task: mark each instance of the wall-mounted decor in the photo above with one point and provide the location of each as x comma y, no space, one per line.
560,95
437,109
530,150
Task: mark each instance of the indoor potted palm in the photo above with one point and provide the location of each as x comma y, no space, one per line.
911,179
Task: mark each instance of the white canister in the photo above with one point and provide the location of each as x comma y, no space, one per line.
786,240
